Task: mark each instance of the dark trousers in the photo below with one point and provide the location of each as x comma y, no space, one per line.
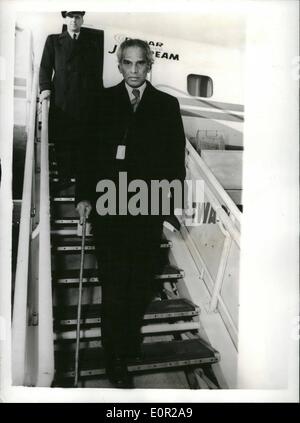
128,259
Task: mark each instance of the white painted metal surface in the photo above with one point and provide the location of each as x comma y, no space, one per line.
214,245
204,251
212,327
19,322
226,165
221,271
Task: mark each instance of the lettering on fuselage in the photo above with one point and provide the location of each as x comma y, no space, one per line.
156,48
209,215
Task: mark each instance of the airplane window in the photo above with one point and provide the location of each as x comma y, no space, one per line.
199,85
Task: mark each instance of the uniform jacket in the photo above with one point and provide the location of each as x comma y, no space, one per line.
72,70
153,136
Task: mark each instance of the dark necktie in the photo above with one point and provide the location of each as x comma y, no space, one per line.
74,37
135,101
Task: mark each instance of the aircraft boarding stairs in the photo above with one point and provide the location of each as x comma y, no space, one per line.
171,323
200,273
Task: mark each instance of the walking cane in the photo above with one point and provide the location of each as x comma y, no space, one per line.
79,301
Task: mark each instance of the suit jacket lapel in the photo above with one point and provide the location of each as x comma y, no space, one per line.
82,45
123,100
71,47
77,46
121,112
146,99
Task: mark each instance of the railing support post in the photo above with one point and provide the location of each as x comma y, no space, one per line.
45,326
221,270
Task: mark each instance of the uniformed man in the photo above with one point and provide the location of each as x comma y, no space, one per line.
71,76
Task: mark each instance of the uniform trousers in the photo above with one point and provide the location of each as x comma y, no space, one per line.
67,134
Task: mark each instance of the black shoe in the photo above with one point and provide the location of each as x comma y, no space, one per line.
118,374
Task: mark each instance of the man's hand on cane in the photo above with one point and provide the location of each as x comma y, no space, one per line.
83,208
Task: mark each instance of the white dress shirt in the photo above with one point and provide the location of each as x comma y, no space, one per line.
72,34
141,90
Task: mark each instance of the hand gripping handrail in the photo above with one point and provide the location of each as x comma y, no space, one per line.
45,306
19,322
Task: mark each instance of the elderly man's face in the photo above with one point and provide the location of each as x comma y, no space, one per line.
134,66
74,22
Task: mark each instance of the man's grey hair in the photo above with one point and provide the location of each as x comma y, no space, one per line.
135,42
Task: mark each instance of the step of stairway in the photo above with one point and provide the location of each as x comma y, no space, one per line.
57,179
62,190
66,221
149,329
53,173
156,355
159,309
170,272
74,243
67,232
74,247
91,275
63,199
72,276
63,208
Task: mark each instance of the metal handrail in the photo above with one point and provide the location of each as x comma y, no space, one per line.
214,185
45,326
229,226
19,322
217,196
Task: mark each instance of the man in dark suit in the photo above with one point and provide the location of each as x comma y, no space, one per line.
141,136
71,76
